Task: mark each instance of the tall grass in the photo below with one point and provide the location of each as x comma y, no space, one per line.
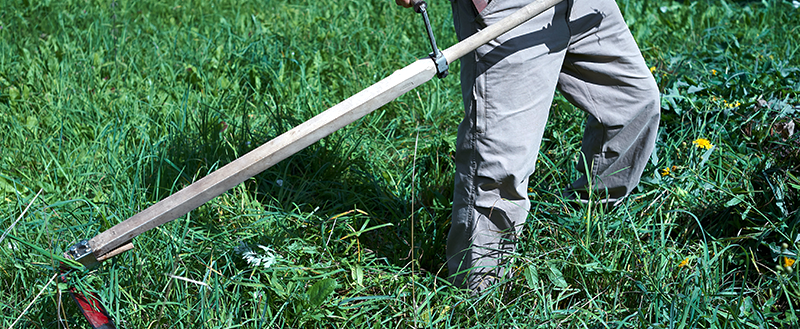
111,106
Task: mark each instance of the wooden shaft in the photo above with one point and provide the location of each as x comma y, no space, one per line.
112,253
298,138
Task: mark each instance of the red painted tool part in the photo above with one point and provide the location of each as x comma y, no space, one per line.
92,310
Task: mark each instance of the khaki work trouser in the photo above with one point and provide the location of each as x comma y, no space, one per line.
581,47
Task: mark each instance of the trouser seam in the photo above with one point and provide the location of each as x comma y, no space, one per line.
476,131
473,171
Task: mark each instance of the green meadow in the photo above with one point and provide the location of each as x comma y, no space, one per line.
107,107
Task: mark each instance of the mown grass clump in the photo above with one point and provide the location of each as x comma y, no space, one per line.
111,106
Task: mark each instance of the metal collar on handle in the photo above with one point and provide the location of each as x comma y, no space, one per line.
437,56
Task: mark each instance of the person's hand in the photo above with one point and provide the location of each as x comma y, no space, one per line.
405,3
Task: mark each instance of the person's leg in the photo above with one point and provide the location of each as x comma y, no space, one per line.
507,86
605,74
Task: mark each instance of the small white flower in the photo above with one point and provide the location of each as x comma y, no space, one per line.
271,257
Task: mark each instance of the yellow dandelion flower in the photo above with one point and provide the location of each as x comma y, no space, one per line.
733,104
713,72
530,189
684,262
788,262
665,172
444,310
652,69
702,143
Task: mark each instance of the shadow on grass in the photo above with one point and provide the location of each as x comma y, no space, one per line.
330,177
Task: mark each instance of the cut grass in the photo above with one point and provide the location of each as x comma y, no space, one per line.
110,107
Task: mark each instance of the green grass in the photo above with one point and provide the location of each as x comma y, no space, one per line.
108,107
